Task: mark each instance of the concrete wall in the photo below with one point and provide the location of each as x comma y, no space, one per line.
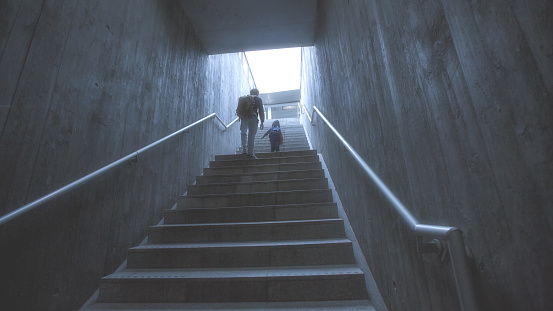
451,104
82,84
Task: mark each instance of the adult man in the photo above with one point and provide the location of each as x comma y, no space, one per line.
248,125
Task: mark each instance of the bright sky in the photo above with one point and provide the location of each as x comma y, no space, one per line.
276,70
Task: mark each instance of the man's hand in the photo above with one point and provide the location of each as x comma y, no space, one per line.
261,126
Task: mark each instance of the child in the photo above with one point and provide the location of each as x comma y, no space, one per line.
275,136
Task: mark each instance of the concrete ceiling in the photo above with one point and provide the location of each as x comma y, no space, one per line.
276,98
228,26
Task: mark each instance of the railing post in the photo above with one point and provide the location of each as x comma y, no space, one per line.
462,271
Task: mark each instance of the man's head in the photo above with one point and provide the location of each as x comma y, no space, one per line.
254,92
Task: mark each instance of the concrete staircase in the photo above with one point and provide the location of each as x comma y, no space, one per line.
249,235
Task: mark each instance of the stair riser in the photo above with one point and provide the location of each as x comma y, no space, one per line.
267,155
282,148
286,138
254,177
294,288
300,184
255,199
267,256
295,142
262,168
297,131
285,143
264,161
249,232
250,214
287,134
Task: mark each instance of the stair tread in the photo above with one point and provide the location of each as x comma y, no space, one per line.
242,169
254,164
256,223
241,244
272,155
251,213
330,305
215,184
299,205
253,193
260,173
239,272
287,160
263,154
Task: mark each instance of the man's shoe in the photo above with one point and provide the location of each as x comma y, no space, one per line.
251,156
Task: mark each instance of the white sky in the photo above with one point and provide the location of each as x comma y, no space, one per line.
276,70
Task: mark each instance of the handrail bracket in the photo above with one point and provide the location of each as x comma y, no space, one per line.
434,246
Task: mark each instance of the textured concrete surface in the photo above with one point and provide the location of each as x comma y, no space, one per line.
451,104
82,84
227,26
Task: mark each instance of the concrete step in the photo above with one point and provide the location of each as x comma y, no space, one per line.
266,148
298,132
295,142
241,254
295,128
253,168
287,133
261,176
256,198
267,155
287,144
235,285
275,159
285,138
260,186
251,213
247,231
338,305
257,150
291,135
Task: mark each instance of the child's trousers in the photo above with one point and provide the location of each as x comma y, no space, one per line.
275,145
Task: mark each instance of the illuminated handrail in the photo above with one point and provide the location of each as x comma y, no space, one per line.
453,236
28,207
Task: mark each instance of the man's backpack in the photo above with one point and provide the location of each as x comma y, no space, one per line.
245,107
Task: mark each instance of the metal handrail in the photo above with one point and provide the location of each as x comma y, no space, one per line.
28,207
452,235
